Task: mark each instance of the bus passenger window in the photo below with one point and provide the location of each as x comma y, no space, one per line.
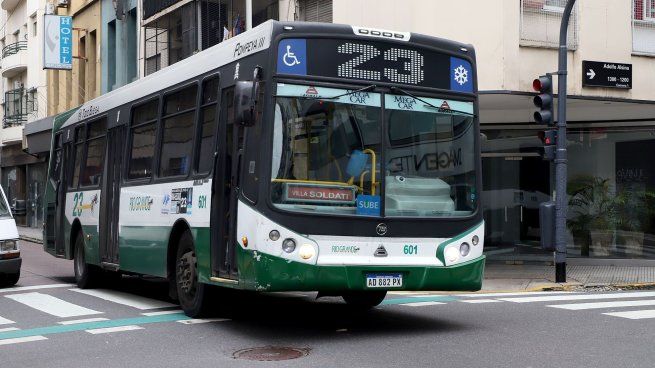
177,142
207,125
142,139
79,153
95,154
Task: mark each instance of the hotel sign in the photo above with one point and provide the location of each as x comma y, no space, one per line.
58,42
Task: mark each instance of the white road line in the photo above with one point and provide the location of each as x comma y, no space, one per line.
480,301
161,313
4,321
130,300
641,314
643,294
9,329
527,293
18,340
51,305
198,321
421,304
35,287
599,305
97,331
87,320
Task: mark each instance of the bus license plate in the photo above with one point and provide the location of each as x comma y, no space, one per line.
384,280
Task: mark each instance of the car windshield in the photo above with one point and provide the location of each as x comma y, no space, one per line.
430,157
327,154
4,207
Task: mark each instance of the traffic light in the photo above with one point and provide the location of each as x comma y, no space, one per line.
544,100
549,139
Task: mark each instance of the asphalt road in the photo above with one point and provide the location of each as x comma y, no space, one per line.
135,325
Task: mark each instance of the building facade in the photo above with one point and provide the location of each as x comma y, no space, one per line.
24,99
119,45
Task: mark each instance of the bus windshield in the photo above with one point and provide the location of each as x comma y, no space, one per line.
327,154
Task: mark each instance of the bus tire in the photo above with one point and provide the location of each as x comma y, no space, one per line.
364,299
86,276
9,279
191,293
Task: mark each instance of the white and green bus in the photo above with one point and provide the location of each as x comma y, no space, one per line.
292,157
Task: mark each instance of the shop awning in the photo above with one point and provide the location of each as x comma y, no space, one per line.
37,135
503,107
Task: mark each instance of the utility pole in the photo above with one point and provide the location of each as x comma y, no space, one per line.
561,204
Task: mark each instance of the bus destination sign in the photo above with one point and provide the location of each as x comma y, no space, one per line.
374,62
606,74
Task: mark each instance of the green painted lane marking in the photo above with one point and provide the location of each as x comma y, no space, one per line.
418,299
50,330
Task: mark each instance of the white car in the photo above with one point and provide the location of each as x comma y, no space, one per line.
10,260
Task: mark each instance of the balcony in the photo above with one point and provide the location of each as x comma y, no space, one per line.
9,5
14,59
18,105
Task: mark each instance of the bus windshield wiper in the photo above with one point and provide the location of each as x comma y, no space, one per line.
364,89
427,104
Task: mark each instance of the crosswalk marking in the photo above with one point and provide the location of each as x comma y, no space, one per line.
35,287
600,305
51,305
86,320
480,301
18,340
98,331
421,304
640,314
643,294
130,300
527,293
161,313
203,320
4,321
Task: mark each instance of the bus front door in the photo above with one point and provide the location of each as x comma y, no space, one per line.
64,167
110,198
225,192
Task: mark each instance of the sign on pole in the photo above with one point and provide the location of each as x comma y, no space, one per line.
58,42
606,74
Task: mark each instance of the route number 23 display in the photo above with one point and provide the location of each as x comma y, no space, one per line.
410,63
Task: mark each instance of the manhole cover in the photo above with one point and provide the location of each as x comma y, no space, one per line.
271,353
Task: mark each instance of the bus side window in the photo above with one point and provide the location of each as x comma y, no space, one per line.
95,153
80,137
208,125
253,150
177,139
143,129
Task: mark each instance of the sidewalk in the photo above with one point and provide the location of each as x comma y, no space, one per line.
508,277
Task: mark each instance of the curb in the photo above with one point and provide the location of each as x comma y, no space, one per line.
30,239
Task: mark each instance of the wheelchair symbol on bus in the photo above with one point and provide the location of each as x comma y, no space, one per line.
290,58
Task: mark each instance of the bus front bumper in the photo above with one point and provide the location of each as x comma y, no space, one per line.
268,273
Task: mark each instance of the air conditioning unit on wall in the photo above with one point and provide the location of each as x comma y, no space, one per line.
18,84
63,3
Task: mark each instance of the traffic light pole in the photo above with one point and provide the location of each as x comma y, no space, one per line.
561,204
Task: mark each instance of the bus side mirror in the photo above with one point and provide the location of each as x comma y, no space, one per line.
244,102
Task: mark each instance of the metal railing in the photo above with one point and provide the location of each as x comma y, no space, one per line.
14,48
643,27
17,106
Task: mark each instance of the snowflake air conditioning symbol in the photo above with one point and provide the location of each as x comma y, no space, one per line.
461,75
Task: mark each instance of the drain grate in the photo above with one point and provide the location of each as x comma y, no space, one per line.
271,353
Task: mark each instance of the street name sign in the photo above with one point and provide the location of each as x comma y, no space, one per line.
606,74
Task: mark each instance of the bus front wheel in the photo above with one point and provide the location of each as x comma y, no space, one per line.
86,276
191,293
364,299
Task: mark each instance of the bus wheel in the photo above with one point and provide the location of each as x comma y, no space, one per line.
364,299
191,293
86,276
9,279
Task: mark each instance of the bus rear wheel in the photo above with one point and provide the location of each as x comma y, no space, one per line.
364,299
190,292
86,276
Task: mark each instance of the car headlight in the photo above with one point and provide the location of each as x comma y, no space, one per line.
10,245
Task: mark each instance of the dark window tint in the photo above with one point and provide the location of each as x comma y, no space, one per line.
209,91
79,154
79,134
97,128
145,112
95,158
177,145
181,100
208,129
143,149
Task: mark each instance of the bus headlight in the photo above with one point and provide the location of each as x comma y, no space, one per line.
475,240
306,251
452,254
289,245
274,235
464,249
